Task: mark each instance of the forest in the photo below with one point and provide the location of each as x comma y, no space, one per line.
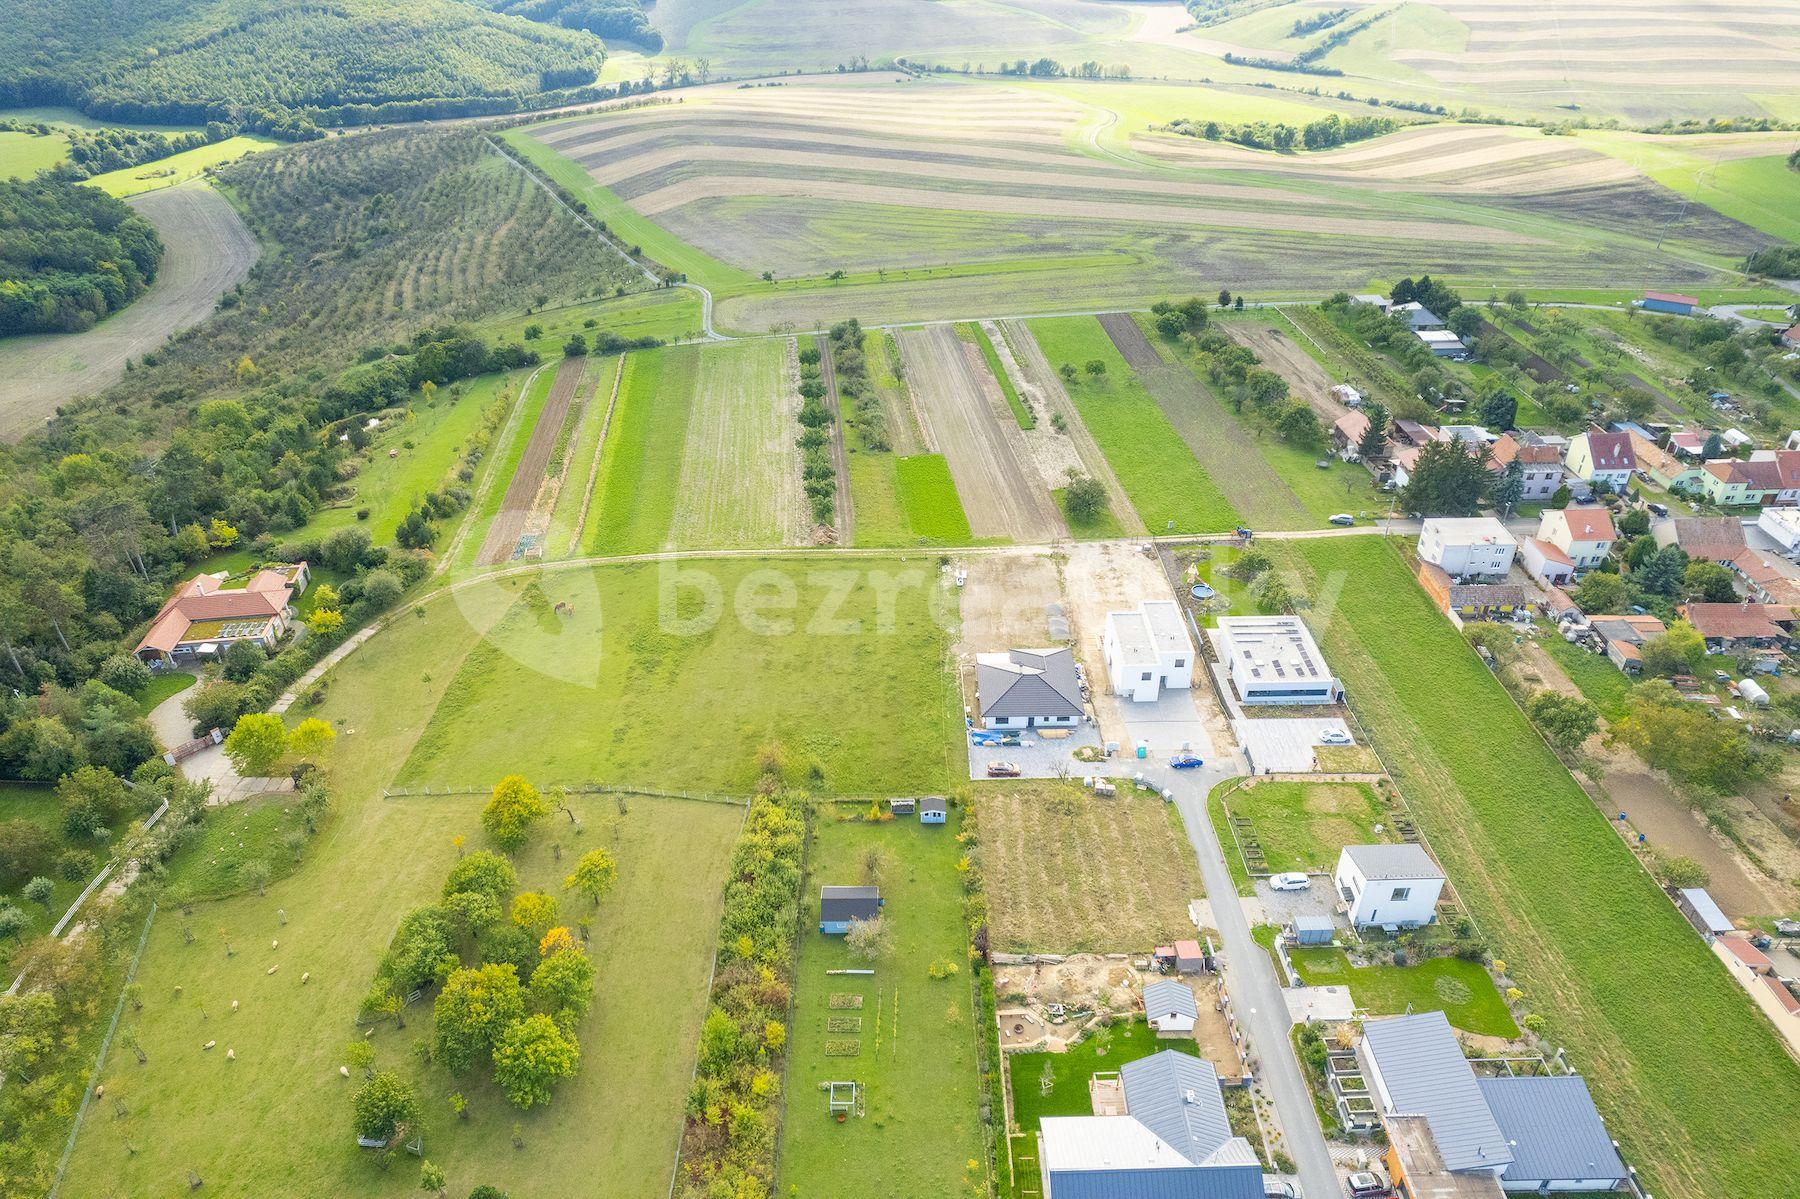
286,70
69,255
620,19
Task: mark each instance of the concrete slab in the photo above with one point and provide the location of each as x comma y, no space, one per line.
1284,746
1279,907
1170,724
1328,1004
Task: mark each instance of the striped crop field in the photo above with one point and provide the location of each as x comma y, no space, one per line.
902,198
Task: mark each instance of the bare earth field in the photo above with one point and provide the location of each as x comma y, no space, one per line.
209,251
522,491
966,420
1003,601
1306,379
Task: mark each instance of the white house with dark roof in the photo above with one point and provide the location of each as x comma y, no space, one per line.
1173,1142
1598,456
1169,1007
1388,886
1147,650
1028,687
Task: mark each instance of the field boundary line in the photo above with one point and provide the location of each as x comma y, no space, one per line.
587,496
840,460
87,1095
578,788
502,438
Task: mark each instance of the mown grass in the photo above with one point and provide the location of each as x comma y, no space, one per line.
640,466
230,840
1166,484
179,168
875,494
934,511
1461,990
1685,1070
1069,873
161,687
1302,826
1108,1049
676,674
1020,412
915,1048
23,155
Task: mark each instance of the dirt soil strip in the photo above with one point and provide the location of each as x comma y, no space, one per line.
966,418
1036,369
587,496
209,250
521,493
840,461
1306,379
1218,442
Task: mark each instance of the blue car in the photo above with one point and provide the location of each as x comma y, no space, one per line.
1186,761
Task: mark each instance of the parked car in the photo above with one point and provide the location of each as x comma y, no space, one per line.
1186,761
1293,880
1276,1188
1343,518
1335,737
1003,770
1364,1183
1659,510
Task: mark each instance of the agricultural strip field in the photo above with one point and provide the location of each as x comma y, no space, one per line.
1461,990
675,674
906,1038
1069,873
501,465
928,498
965,419
209,250
573,498
1167,485
502,542
634,492
1688,1074
666,313
739,484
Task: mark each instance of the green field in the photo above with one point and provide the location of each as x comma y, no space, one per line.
640,466
23,155
1302,826
1461,990
1103,527
911,1043
1166,484
179,168
501,461
1604,684
665,313
875,494
934,512
674,675
1124,1041
1685,1070
1020,412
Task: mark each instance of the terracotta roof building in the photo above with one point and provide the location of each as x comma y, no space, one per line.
1730,626
204,617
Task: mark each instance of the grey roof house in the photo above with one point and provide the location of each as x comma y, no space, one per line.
1174,1142
838,906
1169,1007
1028,687
1558,1140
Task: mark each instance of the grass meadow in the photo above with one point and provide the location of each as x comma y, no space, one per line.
1302,826
665,313
910,1042
875,493
934,512
1069,873
179,168
640,465
991,356
675,674
1686,1071
1461,990
1158,471
23,155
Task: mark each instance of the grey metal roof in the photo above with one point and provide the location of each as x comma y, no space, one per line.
1313,924
1425,1074
934,803
1028,682
1176,1096
1166,996
849,903
1702,902
1378,862
1553,1129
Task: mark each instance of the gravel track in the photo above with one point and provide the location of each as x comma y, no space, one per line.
521,493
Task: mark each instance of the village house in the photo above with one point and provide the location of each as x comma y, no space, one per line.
1791,336
1729,627
1689,445
1419,318
1347,433
1710,538
1027,688
1545,562
1623,638
1540,463
1467,547
204,617
1147,650
1601,459
1731,483
1584,535
1388,886
1473,601
1665,469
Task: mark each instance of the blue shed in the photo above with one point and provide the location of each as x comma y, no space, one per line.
1312,930
840,906
934,809
1668,301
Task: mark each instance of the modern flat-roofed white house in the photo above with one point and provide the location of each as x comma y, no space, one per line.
1467,547
1783,527
1028,688
1274,660
1148,649
1388,885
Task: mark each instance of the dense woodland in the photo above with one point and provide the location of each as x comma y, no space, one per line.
69,255
610,19
287,69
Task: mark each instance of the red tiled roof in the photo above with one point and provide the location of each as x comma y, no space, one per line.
202,598
1610,451
1509,447
1783,996
1551,552
1792,335
1737,621
1746,953
1671,297
1589,524
1757,474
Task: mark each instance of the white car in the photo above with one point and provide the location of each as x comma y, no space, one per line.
1343,518
1294,880
1335,737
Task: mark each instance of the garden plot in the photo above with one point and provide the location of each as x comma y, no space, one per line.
1004,601
1306,379
966,419
506,536
740,466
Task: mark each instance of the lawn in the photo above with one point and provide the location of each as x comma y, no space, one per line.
1461,990
1020,412
910,1043
875,494
674,675
1605,685
635,492
1106,1049
1302,826
264,830
1158,471
162,686
179,168
1684,1068
740,481
1069,873
934,511
23,155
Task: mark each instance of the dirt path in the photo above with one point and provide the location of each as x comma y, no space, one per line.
840,461
966,419
522,491
1218,442
1306,379
1035,371
209,250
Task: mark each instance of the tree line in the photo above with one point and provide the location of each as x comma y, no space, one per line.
69,255
1322,134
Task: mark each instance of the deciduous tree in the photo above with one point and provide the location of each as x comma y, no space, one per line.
256,743
510,812
594,876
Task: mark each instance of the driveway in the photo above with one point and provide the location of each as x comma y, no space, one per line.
1040,757
169,722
